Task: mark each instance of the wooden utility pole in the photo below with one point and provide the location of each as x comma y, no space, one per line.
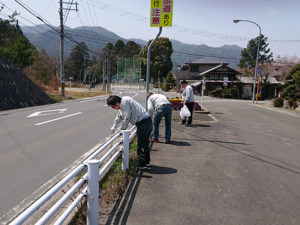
61,17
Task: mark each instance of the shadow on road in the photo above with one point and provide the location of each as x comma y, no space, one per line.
119,214
160,170
122,208
227,145
180,143
199,125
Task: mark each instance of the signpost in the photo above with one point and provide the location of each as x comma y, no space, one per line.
70,82
225,81
161,15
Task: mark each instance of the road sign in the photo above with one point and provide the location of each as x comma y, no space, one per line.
225,81
161,14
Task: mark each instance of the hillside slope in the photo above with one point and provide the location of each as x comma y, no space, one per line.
17,90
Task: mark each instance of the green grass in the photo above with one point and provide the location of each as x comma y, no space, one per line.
56,95
113,185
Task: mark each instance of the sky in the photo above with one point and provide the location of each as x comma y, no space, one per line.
208,22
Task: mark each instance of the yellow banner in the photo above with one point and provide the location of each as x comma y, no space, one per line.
161,14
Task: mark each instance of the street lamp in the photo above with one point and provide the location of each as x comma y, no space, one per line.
257,55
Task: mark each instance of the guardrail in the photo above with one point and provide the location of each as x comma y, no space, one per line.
91,179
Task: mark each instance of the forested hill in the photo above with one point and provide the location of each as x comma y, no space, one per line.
97,37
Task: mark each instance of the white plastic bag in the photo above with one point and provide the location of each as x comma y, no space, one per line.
184,112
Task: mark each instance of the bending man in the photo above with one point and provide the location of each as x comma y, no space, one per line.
161,107
130,111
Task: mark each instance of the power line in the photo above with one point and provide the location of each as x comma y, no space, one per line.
140,18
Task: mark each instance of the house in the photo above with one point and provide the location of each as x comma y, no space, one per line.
213,71
217,74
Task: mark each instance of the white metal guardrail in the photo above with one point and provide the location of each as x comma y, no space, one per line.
91,178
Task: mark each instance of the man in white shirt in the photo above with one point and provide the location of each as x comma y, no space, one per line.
160,106
188,100
130,111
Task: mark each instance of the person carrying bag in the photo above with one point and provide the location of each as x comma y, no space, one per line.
188,101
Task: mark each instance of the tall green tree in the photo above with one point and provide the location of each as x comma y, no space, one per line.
119,48
160,61
132,48
77,61
14,45
248,59
292,82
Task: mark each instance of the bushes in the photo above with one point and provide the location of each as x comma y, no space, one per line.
225,93
291,102
278,102
295,105
217,92
235,92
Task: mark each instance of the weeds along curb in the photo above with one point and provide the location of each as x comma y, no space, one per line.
112,187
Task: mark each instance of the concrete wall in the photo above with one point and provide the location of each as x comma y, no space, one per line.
17,90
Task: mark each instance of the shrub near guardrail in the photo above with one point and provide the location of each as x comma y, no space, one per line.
113,185
278,102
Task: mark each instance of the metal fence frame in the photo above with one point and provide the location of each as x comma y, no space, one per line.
92,178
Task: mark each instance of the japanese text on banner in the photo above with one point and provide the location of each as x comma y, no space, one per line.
161,14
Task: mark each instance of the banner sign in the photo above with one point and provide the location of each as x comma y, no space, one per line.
161,14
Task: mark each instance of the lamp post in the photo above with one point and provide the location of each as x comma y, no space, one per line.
257,55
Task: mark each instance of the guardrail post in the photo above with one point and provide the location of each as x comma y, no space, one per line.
93,192
125,150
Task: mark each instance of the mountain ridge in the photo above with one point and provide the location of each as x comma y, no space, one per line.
43,37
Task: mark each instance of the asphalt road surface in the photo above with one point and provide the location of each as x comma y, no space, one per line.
39,142
243,169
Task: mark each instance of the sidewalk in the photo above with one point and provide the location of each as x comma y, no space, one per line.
168,192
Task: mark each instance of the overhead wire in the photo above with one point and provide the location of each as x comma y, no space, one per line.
140,18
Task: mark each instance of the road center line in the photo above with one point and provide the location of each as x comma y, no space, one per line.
48,121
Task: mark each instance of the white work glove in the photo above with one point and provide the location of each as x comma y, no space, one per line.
112,130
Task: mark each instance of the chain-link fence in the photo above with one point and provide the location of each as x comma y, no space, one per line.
128,71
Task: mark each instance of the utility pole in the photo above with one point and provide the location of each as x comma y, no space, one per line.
62,78
104,71
108,74
61,15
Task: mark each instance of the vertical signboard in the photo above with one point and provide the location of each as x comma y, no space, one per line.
161,13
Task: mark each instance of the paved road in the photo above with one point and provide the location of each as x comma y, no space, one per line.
34,149
243,169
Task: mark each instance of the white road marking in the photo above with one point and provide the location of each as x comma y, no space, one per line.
92,99
136,93
49,121
48,112
213,117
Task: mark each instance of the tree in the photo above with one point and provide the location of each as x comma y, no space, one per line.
249,54
170,82
14,45
119,48
132,48
77,61
43,69
160,61
292,82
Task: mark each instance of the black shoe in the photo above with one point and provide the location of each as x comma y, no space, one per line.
141,165
167,142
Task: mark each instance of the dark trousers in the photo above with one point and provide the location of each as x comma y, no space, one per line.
143,131
190,106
